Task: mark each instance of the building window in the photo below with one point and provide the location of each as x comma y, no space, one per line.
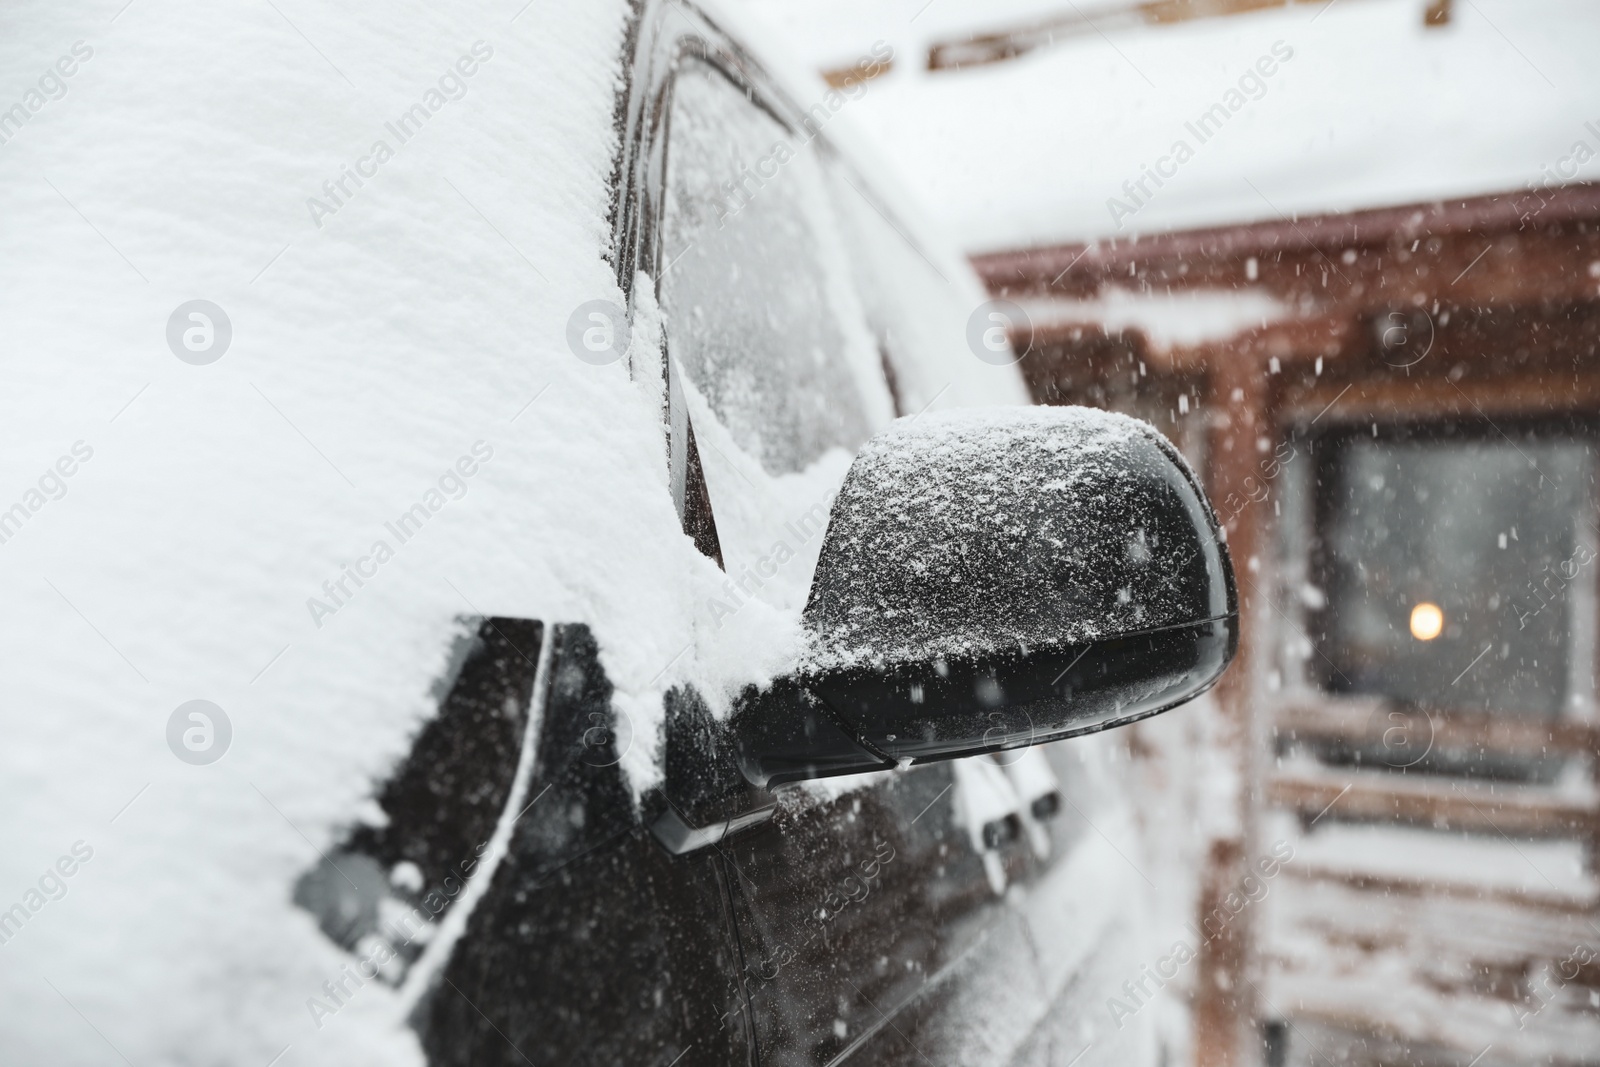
1454,571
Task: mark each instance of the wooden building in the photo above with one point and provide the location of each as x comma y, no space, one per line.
1430,371
1368,313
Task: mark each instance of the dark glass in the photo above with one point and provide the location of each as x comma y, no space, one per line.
1484,530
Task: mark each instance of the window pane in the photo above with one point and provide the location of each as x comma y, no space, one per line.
781,374
762,319
1445,568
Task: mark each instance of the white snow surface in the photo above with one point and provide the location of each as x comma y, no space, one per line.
426,315
1166,319
833,34
1372,110
1552,869
952,494
367,356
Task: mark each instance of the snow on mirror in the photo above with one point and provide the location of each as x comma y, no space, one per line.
996,578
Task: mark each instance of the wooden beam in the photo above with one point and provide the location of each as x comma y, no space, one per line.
1442,803
1518,211
1367,721
1425,890
1222,1002
1417,399
981,48
1224,1007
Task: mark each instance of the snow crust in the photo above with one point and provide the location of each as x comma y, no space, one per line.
1166,319
374,347
368,355
1480,862
965,531
1372,110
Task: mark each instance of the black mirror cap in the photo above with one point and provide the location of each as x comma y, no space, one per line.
1003,578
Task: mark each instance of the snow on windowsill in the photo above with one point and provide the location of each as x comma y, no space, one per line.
1167,320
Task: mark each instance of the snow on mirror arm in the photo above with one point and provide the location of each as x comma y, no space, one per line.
996,578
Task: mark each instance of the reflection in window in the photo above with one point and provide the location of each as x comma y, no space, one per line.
762,318
1448,567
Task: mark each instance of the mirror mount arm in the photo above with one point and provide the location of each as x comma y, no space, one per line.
785,733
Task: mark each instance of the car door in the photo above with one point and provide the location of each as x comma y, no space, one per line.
870,911
526,902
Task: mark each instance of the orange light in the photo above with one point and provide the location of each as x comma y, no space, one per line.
1427,621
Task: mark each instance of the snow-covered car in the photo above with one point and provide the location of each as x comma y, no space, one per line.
547,562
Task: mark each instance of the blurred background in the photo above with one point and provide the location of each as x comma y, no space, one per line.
1346,254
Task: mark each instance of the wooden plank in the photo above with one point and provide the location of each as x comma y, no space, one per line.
1368,721
1455,940
1521,212
1551,900
1431,971
1434,398
849,77
979,49
1386,1020
1429,800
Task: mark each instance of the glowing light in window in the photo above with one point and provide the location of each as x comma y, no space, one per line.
1427,621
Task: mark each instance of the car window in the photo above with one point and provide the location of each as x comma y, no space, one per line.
780,371
918,317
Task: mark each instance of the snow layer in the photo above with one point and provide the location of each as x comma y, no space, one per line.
1372,110
387,335
1534,868
1005,528
368,355
1166,319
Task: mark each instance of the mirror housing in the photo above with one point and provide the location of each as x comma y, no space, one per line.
996,578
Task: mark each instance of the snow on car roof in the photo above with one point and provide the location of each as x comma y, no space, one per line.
1369,109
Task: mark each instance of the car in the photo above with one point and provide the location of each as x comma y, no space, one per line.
703,711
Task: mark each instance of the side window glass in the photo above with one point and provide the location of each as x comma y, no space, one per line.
920,319
779,371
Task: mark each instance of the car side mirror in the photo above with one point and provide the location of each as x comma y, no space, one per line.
996,578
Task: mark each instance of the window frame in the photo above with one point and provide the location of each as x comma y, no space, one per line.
1303,555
